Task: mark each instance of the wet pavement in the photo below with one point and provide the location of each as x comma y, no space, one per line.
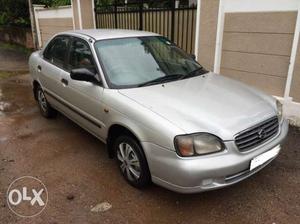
79,175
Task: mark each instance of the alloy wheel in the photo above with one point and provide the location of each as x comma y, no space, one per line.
42,100
129,161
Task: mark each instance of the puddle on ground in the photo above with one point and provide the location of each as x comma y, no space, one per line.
18,81
6,107
15,95
3,139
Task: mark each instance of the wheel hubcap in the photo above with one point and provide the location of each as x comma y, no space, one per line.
129,162
42,100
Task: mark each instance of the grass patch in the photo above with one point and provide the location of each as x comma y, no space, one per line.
5,75
15,47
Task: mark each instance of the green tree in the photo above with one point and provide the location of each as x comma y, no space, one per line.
101,3
52,3
16,12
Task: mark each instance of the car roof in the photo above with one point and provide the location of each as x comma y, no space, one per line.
103,34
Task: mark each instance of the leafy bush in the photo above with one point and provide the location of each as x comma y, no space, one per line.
3,18
16,12
52,3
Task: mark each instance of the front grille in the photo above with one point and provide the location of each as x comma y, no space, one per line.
257,134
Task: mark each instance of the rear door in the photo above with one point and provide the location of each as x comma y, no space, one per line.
51,66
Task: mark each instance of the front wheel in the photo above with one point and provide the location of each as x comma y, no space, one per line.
132,162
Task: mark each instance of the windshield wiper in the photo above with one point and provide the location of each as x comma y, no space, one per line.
173,77
194,73
162,80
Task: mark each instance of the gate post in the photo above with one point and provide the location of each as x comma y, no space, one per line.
95,14
116,14
172,19
141,8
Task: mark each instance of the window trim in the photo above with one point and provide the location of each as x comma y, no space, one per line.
66,61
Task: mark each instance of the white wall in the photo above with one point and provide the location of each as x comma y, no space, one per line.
291,108
52,20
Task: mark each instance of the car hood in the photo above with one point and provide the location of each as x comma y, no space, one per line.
208,103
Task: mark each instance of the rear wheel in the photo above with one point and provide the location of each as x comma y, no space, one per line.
45,108
132,162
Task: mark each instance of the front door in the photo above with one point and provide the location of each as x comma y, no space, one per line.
84,98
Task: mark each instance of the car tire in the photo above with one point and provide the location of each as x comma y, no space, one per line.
132,161
45,108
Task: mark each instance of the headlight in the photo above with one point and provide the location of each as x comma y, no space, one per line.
279,109
197,144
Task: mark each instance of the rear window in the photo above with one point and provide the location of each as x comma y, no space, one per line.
56,50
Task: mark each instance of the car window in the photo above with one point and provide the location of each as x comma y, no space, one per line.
57,50
80,56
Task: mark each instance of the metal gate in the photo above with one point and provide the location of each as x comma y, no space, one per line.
171,18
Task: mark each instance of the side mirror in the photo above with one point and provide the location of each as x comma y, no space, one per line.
84,74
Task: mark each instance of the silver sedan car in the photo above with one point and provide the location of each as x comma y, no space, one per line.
163,117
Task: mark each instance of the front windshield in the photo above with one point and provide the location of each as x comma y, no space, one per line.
131,62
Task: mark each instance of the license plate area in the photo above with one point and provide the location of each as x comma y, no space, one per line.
264,157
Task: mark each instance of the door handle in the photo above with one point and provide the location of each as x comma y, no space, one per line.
39,68
65,82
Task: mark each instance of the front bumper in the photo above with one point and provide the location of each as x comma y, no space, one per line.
207,172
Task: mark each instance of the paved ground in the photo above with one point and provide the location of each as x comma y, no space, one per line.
71,161
12,58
